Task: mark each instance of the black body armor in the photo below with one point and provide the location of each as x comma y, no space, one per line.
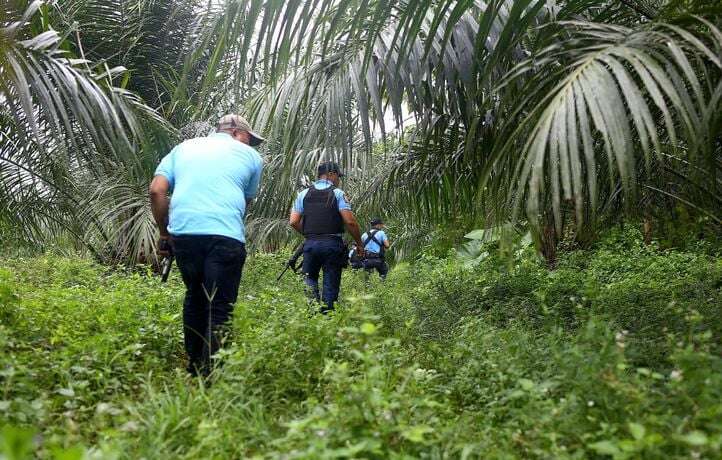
321,217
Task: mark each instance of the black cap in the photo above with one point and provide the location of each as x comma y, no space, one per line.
376,222
329,167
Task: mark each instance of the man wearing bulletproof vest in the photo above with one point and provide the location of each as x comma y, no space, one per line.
320,214
376,243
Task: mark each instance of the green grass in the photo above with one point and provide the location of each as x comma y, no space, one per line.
617,353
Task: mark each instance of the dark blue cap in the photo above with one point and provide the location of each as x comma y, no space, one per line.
329,167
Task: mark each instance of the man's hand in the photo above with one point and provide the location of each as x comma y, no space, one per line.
164,248
293,261
360,251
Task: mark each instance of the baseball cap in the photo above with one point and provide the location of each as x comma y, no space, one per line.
235,121
329,167
376,222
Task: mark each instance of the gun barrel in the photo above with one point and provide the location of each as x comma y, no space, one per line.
292,261
165,269
283,273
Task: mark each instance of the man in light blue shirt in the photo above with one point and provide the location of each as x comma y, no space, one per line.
376,243
212,180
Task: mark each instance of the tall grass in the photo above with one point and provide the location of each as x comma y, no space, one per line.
616,353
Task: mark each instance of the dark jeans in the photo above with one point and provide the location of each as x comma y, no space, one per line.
378,264
329,255
211,268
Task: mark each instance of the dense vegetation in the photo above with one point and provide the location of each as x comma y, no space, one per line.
560,115
542,124
615,353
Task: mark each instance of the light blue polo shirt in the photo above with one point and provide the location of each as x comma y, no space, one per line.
211,178
373,246
322,184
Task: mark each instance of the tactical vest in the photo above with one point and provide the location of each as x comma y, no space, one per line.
321,216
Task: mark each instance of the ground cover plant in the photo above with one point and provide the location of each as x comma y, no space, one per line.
559,120
615,354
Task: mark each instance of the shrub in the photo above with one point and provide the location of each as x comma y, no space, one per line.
616,353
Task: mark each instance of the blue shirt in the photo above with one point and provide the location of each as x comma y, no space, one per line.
211,178
373,246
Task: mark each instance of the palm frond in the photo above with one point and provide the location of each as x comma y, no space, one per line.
608,95
62,124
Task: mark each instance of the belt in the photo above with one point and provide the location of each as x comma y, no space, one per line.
373,255
329,236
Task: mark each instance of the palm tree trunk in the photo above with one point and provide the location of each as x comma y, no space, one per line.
549,240
647,225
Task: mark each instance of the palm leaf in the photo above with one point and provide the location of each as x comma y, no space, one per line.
623,93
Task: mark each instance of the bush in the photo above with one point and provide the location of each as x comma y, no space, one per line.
655,297
73,339
616,353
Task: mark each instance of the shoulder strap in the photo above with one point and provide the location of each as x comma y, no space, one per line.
330,188
332,193
329,191
372,236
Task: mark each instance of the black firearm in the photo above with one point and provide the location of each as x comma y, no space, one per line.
167,263
292,261
165,268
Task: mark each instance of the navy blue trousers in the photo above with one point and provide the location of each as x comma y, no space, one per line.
328,255
211,268
378,264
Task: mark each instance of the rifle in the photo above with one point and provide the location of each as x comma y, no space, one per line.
167,261
292,261
165,268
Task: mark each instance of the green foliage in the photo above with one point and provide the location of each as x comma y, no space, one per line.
74,337
655,296
616,353
443,112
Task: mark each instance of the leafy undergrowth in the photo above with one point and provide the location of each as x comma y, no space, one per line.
616,353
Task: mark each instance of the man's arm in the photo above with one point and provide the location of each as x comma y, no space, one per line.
295,221
349,220
251,189
159,205
296,218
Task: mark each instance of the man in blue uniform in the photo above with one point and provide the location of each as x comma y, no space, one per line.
376,243
354,260
213,180
320,214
